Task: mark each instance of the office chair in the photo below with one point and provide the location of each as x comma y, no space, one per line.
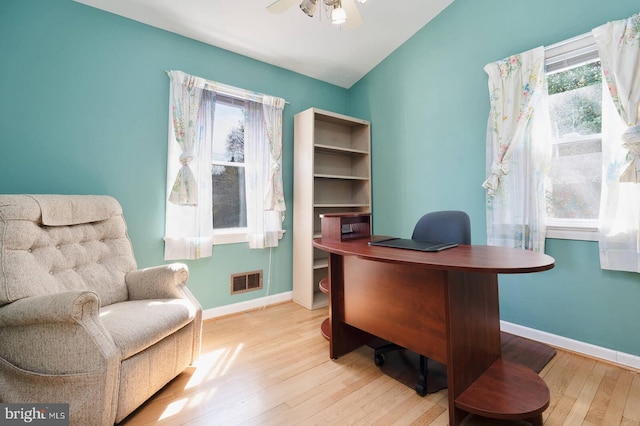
440,226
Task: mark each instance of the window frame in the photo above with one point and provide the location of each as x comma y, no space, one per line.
571,52
232,235
229,235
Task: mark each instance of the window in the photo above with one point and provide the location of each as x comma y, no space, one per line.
574,79
224,184
228,170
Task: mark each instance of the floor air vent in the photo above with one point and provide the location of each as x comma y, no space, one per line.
246,281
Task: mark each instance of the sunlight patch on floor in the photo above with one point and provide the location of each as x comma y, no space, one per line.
232,359
210,365
174,408
213,364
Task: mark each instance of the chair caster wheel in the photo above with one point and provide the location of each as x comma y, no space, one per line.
379,360
421,389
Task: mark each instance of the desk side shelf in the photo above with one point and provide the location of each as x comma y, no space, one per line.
325,327
341,227
506,391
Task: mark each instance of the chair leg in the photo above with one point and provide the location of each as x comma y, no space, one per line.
378,355
421,386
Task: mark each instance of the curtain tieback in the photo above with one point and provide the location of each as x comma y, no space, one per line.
185,188
186,157
631,142
498,169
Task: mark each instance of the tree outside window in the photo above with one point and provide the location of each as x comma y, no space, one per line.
575,104
228,170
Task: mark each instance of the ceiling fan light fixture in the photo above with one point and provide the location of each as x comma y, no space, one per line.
338,15
362,1
309,7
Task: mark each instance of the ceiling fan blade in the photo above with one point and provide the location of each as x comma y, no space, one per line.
280,6
354,20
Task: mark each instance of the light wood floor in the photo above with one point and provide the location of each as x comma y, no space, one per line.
271,367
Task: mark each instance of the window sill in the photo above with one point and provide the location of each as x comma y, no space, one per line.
234,236
584,231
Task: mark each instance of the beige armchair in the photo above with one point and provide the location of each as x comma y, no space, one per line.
79,323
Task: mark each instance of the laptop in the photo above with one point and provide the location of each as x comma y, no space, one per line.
404,243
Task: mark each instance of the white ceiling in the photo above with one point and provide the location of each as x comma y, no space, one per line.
310,46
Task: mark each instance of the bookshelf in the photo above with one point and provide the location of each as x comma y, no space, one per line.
332,174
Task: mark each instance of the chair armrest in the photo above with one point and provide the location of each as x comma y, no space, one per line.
158,282
65,307
166,282
58,333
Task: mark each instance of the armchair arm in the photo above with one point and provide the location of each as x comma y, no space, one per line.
58,333
65,307
158,282
54,348
166,282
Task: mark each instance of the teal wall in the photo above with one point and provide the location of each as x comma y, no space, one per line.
428,103
84,109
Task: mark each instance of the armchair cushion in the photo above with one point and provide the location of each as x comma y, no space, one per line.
139,324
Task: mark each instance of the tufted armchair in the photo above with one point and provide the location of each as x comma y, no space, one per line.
79,323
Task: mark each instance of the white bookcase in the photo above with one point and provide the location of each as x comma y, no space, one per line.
332,174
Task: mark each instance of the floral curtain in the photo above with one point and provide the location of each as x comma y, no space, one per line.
618,45
188,216
263,159
186,93
272,109
518,151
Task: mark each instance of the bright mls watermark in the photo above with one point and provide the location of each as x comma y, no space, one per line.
34,414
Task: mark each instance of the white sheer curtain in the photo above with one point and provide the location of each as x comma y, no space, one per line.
263,158
618,45
188,216
518,151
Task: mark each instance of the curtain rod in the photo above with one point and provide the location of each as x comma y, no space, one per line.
227,89
569,40
574,51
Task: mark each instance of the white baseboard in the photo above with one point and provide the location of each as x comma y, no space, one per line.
577,346
247,306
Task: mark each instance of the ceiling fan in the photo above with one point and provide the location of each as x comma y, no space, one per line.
339,11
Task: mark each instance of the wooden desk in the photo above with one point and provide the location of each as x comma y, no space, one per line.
443,305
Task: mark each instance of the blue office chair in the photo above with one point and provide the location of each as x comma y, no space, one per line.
448,226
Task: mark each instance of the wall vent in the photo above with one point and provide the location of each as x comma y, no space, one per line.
246,281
